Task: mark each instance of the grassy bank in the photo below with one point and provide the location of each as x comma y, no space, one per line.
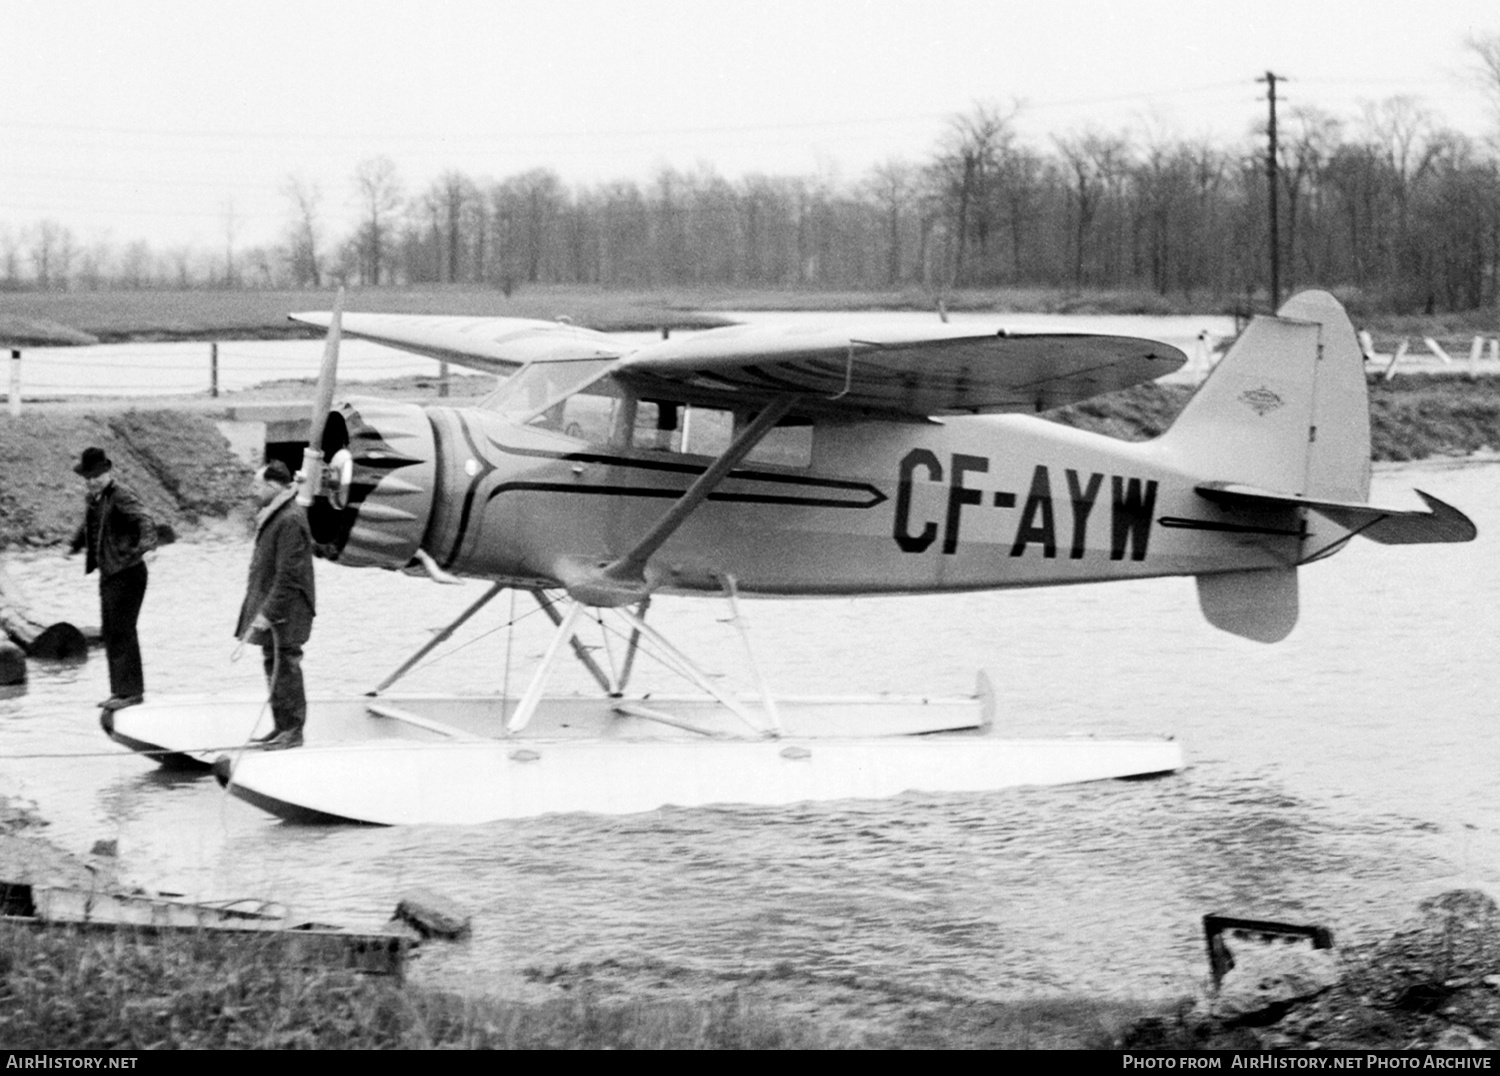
1411,417
1430,984
61,989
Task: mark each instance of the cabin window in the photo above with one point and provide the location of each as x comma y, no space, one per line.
658,426
663,426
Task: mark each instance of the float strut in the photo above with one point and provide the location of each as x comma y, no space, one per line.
533,695
731,591
632,648
692,672
437,640
580,651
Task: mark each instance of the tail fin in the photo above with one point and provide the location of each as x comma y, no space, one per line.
1282,426
1286,409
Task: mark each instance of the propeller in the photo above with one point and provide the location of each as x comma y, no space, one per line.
310,481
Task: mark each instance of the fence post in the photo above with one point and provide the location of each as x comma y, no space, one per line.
442,377
1390,371
15,382
213,369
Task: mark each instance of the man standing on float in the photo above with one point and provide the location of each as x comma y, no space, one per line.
280,600
118,534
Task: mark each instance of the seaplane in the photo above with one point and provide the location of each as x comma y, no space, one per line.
774,462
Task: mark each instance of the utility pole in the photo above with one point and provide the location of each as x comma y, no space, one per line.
1273,182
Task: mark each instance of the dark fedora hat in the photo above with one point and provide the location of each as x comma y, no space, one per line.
93,464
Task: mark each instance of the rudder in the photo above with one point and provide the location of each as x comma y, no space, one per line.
1286,409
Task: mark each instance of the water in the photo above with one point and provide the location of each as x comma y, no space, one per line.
1334,778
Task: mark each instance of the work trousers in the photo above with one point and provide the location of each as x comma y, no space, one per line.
283,665
120,597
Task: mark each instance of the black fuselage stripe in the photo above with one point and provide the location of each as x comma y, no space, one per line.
1231,528
693,469
673,494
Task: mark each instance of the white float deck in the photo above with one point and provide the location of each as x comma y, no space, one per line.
396,759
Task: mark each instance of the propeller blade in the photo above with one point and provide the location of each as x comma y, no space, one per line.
311,478
327,376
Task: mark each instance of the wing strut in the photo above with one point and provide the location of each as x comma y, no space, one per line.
623,580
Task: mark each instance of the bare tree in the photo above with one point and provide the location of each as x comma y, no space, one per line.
966,172
1311,137
1097,163
10,260
52,251
231,230
135,265
894,185
378,189
304,232
1486,50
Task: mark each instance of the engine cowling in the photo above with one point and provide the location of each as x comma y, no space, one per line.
383,461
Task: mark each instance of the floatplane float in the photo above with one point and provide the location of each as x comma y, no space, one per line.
783,462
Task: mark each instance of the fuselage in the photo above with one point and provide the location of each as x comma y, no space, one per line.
851,508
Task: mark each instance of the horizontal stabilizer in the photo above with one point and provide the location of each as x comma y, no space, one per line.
1388,526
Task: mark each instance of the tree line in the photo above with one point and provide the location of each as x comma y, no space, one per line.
1391,205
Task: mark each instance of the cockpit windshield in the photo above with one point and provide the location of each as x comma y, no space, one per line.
539,386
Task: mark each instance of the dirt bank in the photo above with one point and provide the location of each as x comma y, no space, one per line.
1411,418
177,461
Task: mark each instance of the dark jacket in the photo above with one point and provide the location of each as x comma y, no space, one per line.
117,531
281,575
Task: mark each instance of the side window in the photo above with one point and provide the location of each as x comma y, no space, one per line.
704,431
658,426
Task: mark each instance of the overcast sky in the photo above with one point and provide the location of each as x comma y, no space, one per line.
128,119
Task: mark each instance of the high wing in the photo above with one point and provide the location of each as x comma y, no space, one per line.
912,371
494,345
909,371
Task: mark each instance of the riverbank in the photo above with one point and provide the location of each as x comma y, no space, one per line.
1433,983
66,990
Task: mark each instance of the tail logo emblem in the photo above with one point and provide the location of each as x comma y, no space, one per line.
1262,400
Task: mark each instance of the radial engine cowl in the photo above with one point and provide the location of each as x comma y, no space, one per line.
389,482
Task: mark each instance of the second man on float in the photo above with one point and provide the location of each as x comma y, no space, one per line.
280,600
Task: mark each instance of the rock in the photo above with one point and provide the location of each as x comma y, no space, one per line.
433,915
12,663
1452,936
1266,980
1459,1038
